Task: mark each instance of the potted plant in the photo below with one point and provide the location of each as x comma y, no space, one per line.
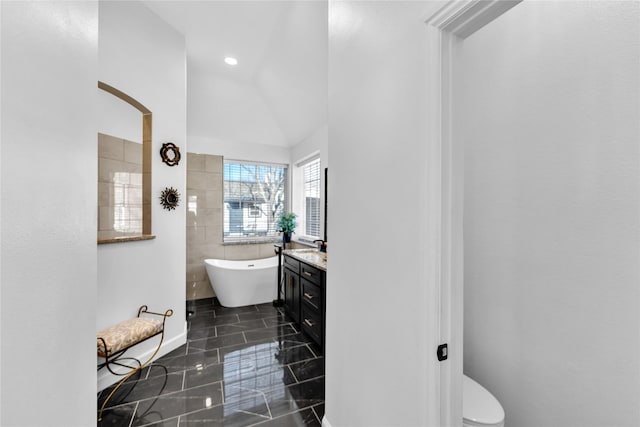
287,224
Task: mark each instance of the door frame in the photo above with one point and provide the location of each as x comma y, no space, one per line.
446,29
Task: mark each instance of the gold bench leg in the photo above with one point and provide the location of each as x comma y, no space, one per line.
142,309
129,375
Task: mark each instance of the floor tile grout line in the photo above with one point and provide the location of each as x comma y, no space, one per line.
146,377
312,352
261,393
282,416
162,421
313,408
133,414
195,411
293,373
256,414
184,379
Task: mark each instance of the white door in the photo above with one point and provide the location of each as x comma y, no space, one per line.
447,28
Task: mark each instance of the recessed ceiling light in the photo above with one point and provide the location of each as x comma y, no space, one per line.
231,61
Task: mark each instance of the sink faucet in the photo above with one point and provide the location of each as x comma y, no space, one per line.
322,246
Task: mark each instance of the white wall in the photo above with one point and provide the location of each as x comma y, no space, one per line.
144,57
381,342
49,72
552,300
317,142
234,150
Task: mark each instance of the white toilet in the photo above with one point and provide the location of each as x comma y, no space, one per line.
479,407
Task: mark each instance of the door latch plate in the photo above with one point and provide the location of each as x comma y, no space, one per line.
443,352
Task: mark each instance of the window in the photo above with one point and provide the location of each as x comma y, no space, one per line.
254,198
311,177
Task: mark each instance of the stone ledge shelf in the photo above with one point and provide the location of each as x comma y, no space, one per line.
123,239
312,257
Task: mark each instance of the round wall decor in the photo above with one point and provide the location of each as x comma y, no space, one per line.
170,153
169,198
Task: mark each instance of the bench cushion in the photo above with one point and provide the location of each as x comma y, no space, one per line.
126,334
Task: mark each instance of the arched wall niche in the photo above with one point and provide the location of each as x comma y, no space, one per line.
143,232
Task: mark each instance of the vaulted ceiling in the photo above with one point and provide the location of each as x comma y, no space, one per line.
277,94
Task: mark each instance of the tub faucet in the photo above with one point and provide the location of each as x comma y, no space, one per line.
322,246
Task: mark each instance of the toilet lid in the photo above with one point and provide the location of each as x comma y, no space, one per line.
478,405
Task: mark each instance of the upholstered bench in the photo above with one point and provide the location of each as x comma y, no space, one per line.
113,342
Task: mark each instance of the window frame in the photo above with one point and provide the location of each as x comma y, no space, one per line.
251,205
298,198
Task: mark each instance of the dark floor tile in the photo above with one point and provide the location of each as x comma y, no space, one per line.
254,350
132,391
117,417
288,355
164,423
206,319
225,311
311,391
308,369
294,340
196,312
201,302
196,360
265,379
228,415
242,326
277,321
172,405
305,417
217,320
216,342
319,410
200,306
272,332
208,331
202,376
258,315
253,357
295,397
267,307
200,310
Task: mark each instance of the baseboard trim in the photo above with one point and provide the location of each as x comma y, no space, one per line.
106,378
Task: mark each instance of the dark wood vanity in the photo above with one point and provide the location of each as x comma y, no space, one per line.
304,285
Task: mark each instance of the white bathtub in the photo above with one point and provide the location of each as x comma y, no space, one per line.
239,283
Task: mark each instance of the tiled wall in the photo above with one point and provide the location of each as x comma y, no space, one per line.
204,224
119,187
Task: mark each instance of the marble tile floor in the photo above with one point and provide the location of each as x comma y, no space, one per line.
246,366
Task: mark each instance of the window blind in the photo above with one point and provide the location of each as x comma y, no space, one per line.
254,198
311,173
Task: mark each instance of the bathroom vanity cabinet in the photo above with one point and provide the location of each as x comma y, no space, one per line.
304,297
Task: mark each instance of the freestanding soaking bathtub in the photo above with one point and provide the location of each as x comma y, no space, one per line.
239,283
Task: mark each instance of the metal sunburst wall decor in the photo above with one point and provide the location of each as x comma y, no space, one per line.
169,198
